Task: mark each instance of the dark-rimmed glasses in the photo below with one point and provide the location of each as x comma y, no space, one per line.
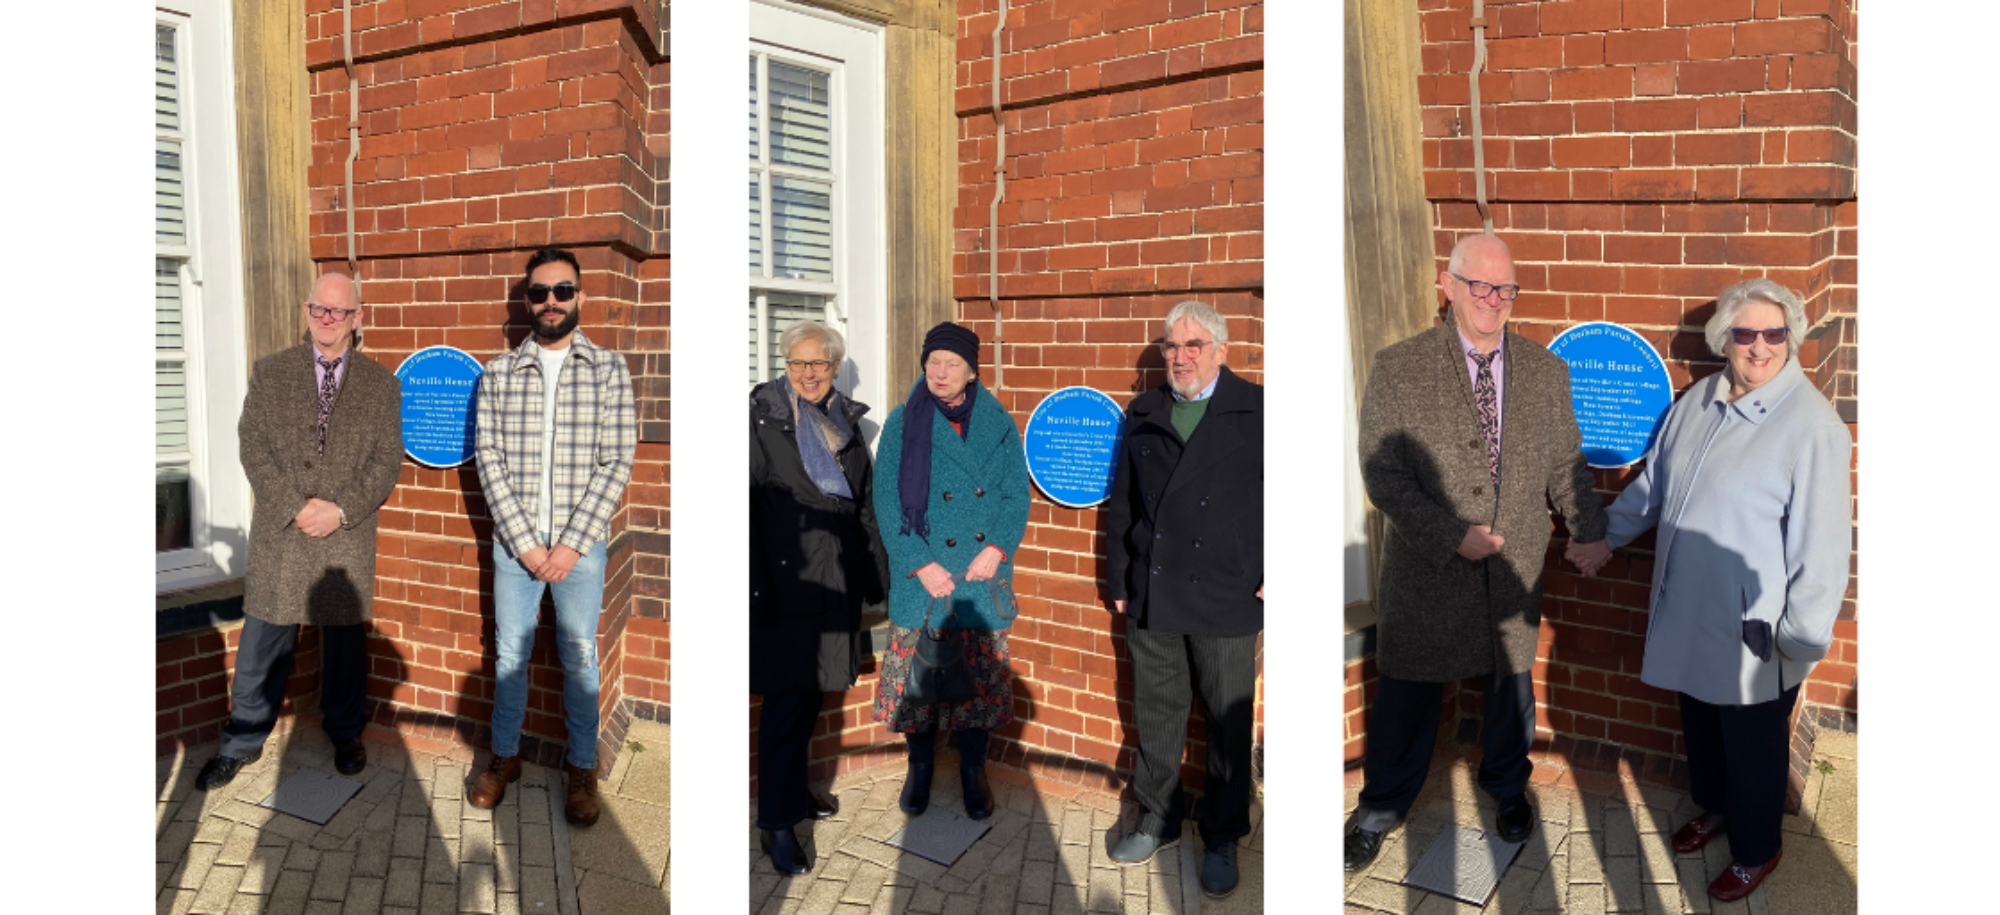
1481,289
808,365
538,293
1773,336
1194,348
321,311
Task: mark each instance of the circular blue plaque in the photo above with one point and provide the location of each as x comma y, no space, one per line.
1072,446
438,382
1618,387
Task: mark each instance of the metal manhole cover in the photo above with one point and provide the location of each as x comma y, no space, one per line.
1465,864
312,795
939,836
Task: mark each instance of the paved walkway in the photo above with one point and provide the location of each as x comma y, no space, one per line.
1046,854
1604,848
408,844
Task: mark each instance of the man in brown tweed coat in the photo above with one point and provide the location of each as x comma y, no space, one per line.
321,439
1467,437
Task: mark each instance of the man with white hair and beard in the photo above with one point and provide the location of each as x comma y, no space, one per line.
1186,525
321,440
556,431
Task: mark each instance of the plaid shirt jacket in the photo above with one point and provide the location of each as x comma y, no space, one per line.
597,430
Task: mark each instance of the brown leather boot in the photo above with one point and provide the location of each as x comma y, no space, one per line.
581,808
491,786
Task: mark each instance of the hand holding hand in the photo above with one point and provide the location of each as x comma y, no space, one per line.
985,565
937,581
532,560
561,560
1480,542
318,518
1588,557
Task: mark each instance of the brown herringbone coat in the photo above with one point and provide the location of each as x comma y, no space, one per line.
1423,461
294,578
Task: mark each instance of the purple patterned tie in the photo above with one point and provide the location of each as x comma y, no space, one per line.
1488,401
327,386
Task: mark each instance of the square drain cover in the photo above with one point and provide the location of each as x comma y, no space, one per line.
1465,864
311,794
939,836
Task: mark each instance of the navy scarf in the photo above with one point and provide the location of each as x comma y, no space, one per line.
913,476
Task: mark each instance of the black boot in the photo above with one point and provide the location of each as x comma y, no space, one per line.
972,772
923,763
787,855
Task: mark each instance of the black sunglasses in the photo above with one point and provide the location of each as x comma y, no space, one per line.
1774,336
538,293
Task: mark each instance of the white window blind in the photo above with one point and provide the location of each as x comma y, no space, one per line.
771,314
173,439
792,199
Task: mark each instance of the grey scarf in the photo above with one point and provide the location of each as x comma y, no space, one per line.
821,436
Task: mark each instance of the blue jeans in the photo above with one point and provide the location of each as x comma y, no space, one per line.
517,600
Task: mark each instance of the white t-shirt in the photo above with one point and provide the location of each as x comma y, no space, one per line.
552,360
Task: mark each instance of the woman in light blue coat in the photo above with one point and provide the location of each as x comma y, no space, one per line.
951,499
1748,482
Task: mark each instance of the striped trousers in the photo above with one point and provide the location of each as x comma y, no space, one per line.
1167,669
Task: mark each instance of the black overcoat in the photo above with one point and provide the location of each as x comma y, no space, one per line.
1186,518
815,559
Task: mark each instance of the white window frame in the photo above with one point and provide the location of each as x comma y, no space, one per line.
211,277
852,51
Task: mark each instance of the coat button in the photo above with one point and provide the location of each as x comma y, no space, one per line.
951,542
1478,490
981,538
979,493
1143,450
1194,579
309,465
1472,444
1149,496
1156,570
947,497
1158,534
1204,502
1197,543
781,562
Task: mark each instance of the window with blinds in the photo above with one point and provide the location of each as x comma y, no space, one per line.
793,236
173,442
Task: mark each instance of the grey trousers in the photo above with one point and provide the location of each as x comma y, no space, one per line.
1167,668
264,666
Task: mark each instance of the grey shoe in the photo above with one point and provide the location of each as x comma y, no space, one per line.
1218,871
1138,848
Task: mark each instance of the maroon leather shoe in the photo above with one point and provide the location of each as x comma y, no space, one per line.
1698,832
1738,881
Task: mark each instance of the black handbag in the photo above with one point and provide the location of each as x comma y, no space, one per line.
938,672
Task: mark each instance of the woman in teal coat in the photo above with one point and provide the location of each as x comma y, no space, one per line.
951,497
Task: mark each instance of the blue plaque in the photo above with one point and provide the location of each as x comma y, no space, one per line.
1072,446
1618,387
438,383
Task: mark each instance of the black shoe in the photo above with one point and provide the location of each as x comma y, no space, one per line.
823,806
1516,818
916,796
1218,871
1362,847
349,756
219,771
787,855
978,794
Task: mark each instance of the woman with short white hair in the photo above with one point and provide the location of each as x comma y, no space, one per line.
1748,482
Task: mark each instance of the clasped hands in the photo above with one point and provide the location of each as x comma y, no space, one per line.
1480,542
318,518
938,582
550,564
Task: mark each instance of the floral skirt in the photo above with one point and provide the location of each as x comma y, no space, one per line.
992,704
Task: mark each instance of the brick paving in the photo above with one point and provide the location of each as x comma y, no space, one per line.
1601,847
1047,853
407,843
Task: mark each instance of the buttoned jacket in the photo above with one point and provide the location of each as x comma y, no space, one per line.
596,434
1442,617
293,578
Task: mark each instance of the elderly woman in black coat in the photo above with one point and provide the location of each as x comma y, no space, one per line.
815,558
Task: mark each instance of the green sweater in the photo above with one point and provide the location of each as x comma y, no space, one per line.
1187,415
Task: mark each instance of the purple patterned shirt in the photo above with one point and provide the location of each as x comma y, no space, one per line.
319,369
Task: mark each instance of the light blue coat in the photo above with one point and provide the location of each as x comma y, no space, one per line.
979,495
1752,502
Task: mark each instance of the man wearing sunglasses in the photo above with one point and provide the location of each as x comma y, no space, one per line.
321,440
1467,437
556,430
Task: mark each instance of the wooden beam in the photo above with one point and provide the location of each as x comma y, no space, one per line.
273,145
922,177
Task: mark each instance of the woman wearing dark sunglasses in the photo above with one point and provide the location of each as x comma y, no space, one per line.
1747,481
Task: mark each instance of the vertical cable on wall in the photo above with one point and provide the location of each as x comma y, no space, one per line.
999,194
353,133
1479,135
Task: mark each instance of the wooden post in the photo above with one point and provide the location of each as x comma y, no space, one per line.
273,142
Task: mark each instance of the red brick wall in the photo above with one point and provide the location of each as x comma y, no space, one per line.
1644,154
487,131
1134,181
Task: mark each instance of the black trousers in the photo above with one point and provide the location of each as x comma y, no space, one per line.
784,744
264,665
1402,734
1167,667
1737,756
